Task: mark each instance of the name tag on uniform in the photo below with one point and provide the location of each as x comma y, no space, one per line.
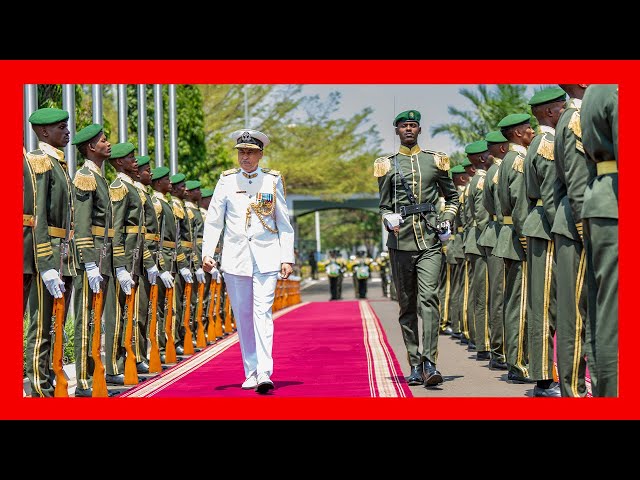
241,191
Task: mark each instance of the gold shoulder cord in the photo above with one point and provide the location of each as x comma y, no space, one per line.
261,211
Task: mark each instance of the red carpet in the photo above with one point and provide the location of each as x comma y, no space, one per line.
321,349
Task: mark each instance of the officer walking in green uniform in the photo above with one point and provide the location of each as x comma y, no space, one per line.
540,175
571,180
410,181
498,146
511,244
52,226
92,215
599,124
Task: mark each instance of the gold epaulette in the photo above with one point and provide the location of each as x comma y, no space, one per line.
381,166
157,206
39,161
230,172
177,210
85,180
117,190
545,149
190,214
574,124
495,177
441,160
271,172
518,164
480,185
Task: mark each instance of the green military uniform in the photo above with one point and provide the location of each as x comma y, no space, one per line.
444,287
479,218
92,214
334,271
571,180
28,222
599,125
206,192
455,261
468,309
415,253
53,210
511,245
197,229
495,265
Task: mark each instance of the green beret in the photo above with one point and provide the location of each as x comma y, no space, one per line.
206,192
408,116
476,147
458,169
86,134
47,116
548,95
143,160
159,172
495,137
177,178
120,150
514,119
192,184
466,163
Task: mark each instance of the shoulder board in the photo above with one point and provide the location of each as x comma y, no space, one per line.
381,166
574,124
157,206
480,185
190,214
177,210
441,159
545,149
271,172
39,161
85,180
231,171
518,164
495,177
117,190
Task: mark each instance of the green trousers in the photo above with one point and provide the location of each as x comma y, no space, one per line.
515,317
444,294
541,307
601,243
496,276
178,293
480,301
144,316
470,308
456,279
416,276
27,280
115,322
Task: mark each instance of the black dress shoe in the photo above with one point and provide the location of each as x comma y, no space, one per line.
464,340
82,392
446,331
179,350
456,335
495,364
115,379
415,378
471,347
552,391
142,367
483,356
515,378
430,376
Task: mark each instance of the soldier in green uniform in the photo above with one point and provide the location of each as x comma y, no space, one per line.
478,155
415,247
192,198
29,270
52,224
92,214
444,287
468,336
498,146
539,176
571,180
599,124
385,271
161,187
129,229
455,257
203,204
183,259
152,209
511,243
334,271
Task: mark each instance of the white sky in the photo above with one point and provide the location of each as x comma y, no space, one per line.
432,101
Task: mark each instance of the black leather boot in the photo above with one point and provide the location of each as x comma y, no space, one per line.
430,376
415,378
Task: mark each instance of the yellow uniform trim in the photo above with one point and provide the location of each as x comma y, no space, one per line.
28,220
539,203
154,237
99,231
607,167
135,229
187,244
507,220
59,232
168,244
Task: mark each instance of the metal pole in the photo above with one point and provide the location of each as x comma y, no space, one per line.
142,119
96,100
246,108
69,104
159,130
122,113
318,234
173,132
30,106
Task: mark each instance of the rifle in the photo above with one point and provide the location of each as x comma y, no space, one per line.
227,314
186,318
213,300
99,388
130,337
57,332
201,342
170,347
155,365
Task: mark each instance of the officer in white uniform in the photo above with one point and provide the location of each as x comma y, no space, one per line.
249,204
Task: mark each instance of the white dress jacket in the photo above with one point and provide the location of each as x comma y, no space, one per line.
254,215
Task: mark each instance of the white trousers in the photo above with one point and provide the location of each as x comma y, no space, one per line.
252,301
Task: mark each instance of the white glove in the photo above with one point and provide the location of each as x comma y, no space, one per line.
124,277
167,279
53,282
152,273
393,219
93,274
200,275
186,274
447,233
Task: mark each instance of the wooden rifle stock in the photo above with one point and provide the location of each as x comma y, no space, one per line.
130,371
218,309
211,326
155,365
201,342
58,348
188,335
170,347
99,388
